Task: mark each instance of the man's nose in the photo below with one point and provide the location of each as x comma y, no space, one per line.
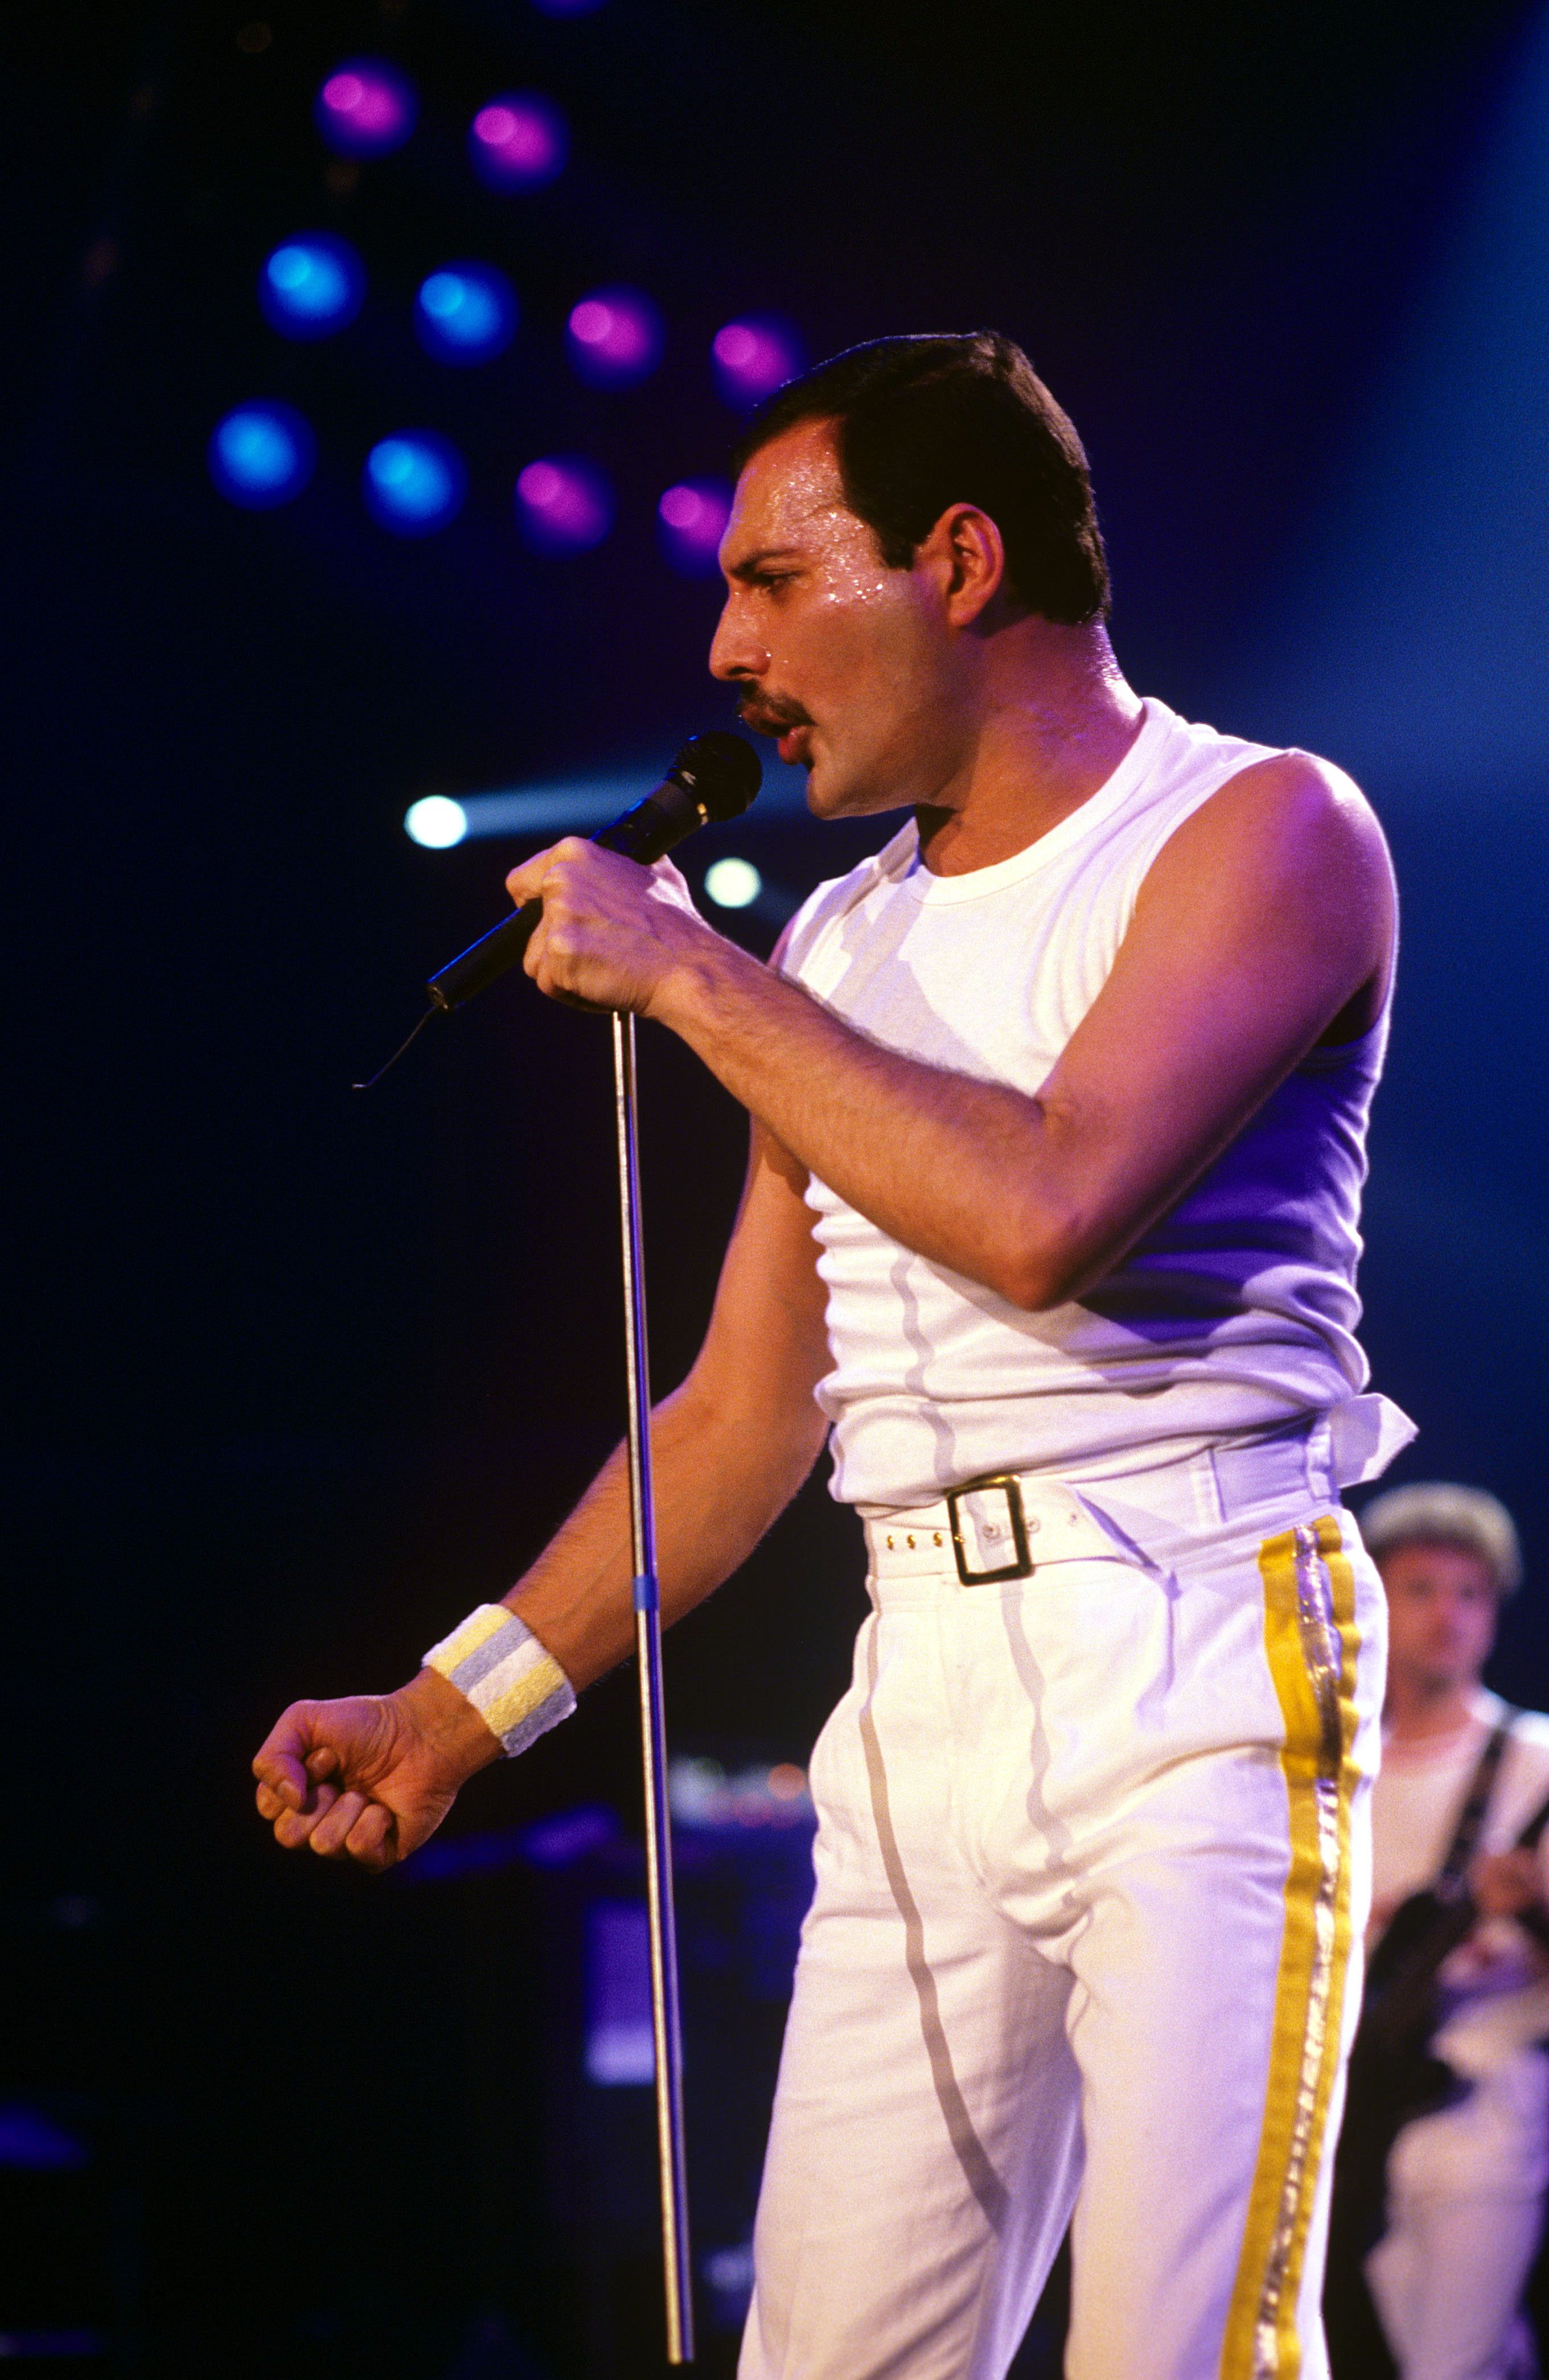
735,652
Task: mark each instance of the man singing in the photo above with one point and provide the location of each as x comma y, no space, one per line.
1050,1227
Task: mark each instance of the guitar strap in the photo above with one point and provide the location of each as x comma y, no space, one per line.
1470,1821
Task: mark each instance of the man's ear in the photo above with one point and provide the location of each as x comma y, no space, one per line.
967,555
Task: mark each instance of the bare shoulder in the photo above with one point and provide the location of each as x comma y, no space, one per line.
1288,821
1284,866
1529,1732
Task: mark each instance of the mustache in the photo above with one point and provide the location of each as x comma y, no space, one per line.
767,715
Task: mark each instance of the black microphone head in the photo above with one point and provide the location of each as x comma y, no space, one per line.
721,771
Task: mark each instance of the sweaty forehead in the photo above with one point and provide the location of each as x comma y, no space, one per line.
791,495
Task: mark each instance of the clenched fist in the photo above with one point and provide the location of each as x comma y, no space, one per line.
612,933
370,1777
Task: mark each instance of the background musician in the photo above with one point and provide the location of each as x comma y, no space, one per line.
1466,2183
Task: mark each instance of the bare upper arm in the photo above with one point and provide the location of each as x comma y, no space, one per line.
767,1347
1290,830
1265,920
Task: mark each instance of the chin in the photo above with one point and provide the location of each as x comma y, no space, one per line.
824,793
830,796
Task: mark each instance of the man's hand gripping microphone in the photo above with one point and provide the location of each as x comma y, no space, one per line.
713,778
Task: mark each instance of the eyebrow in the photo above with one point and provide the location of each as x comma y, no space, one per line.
753,562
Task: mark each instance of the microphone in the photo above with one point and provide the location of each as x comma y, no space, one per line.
714,777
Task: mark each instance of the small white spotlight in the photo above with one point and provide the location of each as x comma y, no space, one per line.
437,823
733,883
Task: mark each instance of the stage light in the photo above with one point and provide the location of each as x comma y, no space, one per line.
733,883
365,108
261,454
312,287
693,518
414,482
32,2143
577,805
567,7
466,313
517,142
753,360
435,822
563,505
614,338
573,806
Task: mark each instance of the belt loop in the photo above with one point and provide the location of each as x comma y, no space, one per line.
1209,1509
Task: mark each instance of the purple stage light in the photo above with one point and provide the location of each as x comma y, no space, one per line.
567,7
693,518
614,336
753,360
365,108
517,142
563,505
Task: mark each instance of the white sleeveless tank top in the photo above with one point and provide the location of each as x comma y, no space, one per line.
1235,1312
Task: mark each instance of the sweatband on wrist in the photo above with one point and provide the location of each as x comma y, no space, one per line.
518,1688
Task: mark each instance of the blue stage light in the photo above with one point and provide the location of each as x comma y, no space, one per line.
312,287
465,313
261,454
575,806
414,482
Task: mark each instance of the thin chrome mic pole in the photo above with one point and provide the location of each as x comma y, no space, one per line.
665,2013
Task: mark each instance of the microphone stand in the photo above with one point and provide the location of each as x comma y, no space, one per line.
666,2011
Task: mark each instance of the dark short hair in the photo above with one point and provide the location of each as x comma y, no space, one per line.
925,422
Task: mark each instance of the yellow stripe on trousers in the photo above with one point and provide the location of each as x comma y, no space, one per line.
1311,1641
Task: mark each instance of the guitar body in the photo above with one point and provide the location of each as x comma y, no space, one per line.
1394,2075
1393,2078
1407,1933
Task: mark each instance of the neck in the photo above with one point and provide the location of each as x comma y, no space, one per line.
1417,1708
1054,718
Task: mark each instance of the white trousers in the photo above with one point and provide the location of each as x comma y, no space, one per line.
1092,1866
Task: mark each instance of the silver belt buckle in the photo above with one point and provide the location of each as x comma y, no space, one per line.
972,1528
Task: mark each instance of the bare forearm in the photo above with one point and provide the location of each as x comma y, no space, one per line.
955,1169
718,1487
1215,994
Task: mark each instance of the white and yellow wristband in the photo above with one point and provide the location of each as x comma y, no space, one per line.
518,1688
